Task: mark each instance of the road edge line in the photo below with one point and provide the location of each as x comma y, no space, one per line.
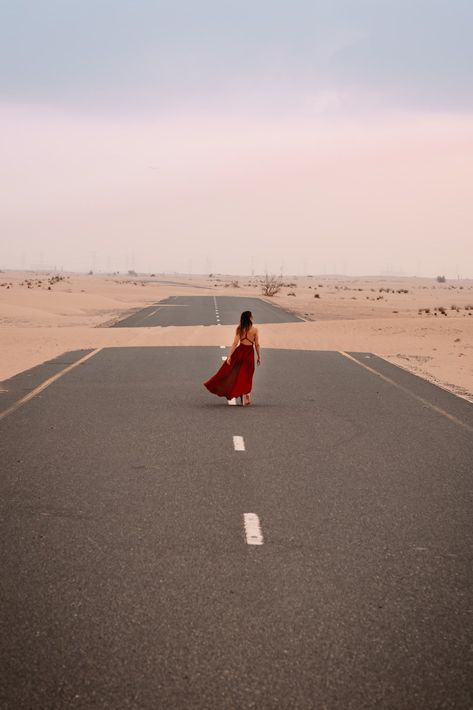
46,383
434,407
425,379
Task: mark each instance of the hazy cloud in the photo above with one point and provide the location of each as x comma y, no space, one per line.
126,53
310,135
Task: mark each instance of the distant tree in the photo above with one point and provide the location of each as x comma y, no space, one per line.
441,279
132,272
271,285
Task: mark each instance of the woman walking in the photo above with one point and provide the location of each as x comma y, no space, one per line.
235,377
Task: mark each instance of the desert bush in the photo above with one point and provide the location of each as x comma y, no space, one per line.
271,285
316,295
291,293
441,279
54,279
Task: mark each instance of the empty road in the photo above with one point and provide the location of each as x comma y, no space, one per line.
161,549
205,310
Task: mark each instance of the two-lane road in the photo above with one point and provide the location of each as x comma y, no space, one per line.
205,310
127,578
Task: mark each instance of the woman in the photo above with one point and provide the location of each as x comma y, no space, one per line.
235,377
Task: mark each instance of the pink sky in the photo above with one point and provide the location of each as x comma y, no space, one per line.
209,190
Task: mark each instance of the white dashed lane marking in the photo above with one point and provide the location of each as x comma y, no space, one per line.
253,533
232,401
217,315
238,443
224,357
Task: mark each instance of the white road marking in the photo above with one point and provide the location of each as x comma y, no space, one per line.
423,401
46,383
254,536
224,357
231,401
222,347
238,443
151,314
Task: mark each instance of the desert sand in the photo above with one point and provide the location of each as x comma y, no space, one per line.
417,323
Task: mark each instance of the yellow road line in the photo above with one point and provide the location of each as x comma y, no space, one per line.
46,383
425,402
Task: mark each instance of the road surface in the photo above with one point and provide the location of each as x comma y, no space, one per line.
205,310
131,500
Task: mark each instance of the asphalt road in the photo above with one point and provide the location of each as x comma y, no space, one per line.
127,580
205,310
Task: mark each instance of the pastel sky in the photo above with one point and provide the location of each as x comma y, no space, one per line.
226,136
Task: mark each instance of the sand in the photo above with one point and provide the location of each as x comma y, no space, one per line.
42,316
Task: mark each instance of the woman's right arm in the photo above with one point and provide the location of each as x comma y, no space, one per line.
258,350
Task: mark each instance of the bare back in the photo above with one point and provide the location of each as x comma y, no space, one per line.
250,336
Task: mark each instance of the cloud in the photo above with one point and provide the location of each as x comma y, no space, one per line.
146,54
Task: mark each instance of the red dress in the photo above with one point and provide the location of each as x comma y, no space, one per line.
236,379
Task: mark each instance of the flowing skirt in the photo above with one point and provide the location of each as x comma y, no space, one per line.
236,379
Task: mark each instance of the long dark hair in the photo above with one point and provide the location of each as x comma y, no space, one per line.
246,321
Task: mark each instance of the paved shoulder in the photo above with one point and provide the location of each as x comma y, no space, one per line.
16,387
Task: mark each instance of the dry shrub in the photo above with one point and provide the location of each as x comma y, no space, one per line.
271,285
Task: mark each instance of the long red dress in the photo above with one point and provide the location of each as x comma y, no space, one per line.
236,379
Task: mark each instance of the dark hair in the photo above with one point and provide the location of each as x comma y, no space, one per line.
246,321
